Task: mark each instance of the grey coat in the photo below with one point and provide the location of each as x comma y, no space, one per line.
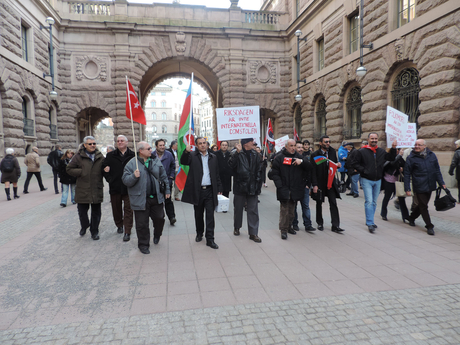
137,186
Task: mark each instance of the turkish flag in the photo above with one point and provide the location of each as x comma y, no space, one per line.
331,174
133,102
287,161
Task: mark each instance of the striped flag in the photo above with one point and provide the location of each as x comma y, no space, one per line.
320,159
296,136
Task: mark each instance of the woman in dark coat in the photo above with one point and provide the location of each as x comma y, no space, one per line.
11,171
225,173
455,165
66,180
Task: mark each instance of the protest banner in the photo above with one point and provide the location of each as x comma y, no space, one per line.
281,142
409,140
396,124
238,123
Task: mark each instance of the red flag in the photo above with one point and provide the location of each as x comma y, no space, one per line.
133,102
296,136
270,138
331,174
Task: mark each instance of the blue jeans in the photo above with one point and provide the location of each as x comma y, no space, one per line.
65,193
306,215
354,184
371,191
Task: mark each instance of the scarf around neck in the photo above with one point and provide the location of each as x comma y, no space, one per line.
373,149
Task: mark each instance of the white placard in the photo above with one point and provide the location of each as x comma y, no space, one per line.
238,123
409,141
396,124
281,142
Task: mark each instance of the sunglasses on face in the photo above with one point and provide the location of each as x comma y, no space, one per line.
92,144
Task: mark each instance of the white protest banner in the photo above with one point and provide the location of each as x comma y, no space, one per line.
238,123
396,124
281,142
409,140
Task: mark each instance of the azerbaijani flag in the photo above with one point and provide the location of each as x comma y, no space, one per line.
320,159
186,137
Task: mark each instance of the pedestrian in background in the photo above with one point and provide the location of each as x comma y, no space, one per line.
225,173
173,150
53,160
32,161
353,174
11,172
342,156
113,165
455,165
86,166
67,181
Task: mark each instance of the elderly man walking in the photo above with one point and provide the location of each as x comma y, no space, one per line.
246,166
422,168
146,194
32,161
289,172
113,165
369,163
86,166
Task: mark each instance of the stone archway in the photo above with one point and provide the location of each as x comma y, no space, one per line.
86,121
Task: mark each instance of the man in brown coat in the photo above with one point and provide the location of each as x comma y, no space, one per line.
32,161
86,166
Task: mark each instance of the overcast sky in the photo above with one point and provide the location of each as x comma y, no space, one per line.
244,4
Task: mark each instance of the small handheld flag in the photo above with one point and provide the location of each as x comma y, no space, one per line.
320,159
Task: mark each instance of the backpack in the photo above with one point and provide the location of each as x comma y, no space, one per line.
8,164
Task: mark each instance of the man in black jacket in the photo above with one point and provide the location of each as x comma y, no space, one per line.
225,173
201,188
246,166
53,159
319,178
113,166
289,172
369,163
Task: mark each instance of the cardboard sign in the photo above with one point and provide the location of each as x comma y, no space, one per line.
396,124
409,140
281,142
238,123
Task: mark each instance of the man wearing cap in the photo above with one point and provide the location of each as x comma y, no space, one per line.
246,165
352,173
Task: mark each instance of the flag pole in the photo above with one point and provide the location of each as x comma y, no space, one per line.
191,113
132,124
265,141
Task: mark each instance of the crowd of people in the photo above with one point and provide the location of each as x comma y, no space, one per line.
142,189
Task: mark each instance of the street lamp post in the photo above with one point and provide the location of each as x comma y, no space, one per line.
298,97
361,70
53,94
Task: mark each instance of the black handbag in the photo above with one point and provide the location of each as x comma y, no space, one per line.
318,196
444,203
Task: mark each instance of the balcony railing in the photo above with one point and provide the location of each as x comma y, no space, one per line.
101,9
261,17
53,131
29,127
351,133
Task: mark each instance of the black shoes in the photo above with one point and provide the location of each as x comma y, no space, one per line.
375,226
356,196
63,205
411,222
292,231
430,231
320,227
156,240
310,228
25,192
56,192
384,218
82,232
350,194
337,229
126,237
198,238
172,221
236,232
284,235
120,229
42,190
255,238
296,227
95,237
144,250
212,244
371,229
16,196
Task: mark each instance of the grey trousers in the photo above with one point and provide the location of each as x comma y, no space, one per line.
252,212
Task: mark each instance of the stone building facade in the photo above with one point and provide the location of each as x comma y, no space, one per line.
240,57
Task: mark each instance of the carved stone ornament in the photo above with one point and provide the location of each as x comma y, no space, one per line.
262,72
399,48
29,81
91,67
349,70
180,43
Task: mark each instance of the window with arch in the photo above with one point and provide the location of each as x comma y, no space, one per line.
175,129
164,129
175,117
353,121
406,88
298,120
163,116
163,104
53,122
154,116
29,123
320,118
154,129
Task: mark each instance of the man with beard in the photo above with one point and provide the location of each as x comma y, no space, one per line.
225,173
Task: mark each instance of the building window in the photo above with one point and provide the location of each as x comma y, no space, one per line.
163,93
298,120
320,54
175,129
354,104
152,94
354,32
164,129
28,121
297,8
25,51
154,129
406,11
405,92
53,124
163,116
320,118
175,117
163,104
154,116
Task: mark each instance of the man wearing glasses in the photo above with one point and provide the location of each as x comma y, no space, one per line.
86,166
145,194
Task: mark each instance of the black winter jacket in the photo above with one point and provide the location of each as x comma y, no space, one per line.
65,178
225,172
290,180
54,159
116,161
455,165
424,171
247,179
370,166
320,173
352,155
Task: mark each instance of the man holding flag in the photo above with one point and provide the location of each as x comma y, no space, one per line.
325,164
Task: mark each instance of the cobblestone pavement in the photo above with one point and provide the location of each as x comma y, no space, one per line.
398,286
